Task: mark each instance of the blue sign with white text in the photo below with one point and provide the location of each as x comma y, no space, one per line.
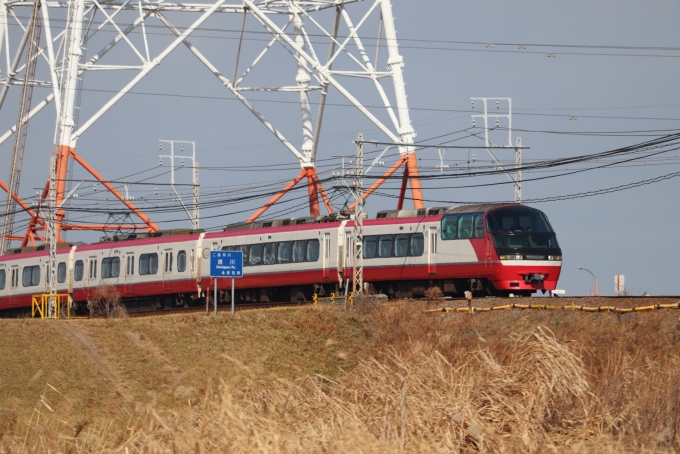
226,264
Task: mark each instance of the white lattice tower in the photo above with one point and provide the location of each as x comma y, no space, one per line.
335,54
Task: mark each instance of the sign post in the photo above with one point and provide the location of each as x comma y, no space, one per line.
226,264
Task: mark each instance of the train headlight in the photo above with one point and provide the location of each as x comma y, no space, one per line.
512,257
555,257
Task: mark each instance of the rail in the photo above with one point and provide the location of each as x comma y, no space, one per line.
545,307
40,304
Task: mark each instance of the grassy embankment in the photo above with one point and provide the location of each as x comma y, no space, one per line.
382,379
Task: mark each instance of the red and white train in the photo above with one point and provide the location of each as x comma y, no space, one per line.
488,249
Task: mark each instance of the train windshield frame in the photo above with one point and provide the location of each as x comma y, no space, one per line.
521,229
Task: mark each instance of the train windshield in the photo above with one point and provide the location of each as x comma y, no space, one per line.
521,228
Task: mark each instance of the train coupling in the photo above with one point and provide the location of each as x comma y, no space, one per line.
534,278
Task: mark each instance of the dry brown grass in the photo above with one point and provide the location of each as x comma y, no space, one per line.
501,382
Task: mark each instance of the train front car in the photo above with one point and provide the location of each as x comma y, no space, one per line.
527,255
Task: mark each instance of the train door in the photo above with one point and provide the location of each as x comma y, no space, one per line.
14,283
92,274
340,257
432,250
168,258
129,272
349,250
326,254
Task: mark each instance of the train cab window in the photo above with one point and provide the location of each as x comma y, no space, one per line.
450,227
181,261
148,264
370,247
61,272
168,261
3,277
417,245
255,255
385,246
269,255
465,226
110,267
30,276
93,268
78,271
479,225
312,250
283,252
298,252
401,245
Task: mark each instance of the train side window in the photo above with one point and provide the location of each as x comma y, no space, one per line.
30,276
450,227
255,255
26,276
181,261
401,245
228,248
148,264
269,256
417,245
370,247
244,250
106,268
385,246
465,226
283,252
298,254
35,275
130,265
3,277
61,272
479,225
78,271
110,267
313,250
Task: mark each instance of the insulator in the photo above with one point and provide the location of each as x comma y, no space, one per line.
474,157
473,123
160,161
182,162
156,190
472,104
160,146
498,104
497,122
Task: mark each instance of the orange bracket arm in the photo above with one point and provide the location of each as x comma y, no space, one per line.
21,203
323,194
151,226
274,199
414,178
381,180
